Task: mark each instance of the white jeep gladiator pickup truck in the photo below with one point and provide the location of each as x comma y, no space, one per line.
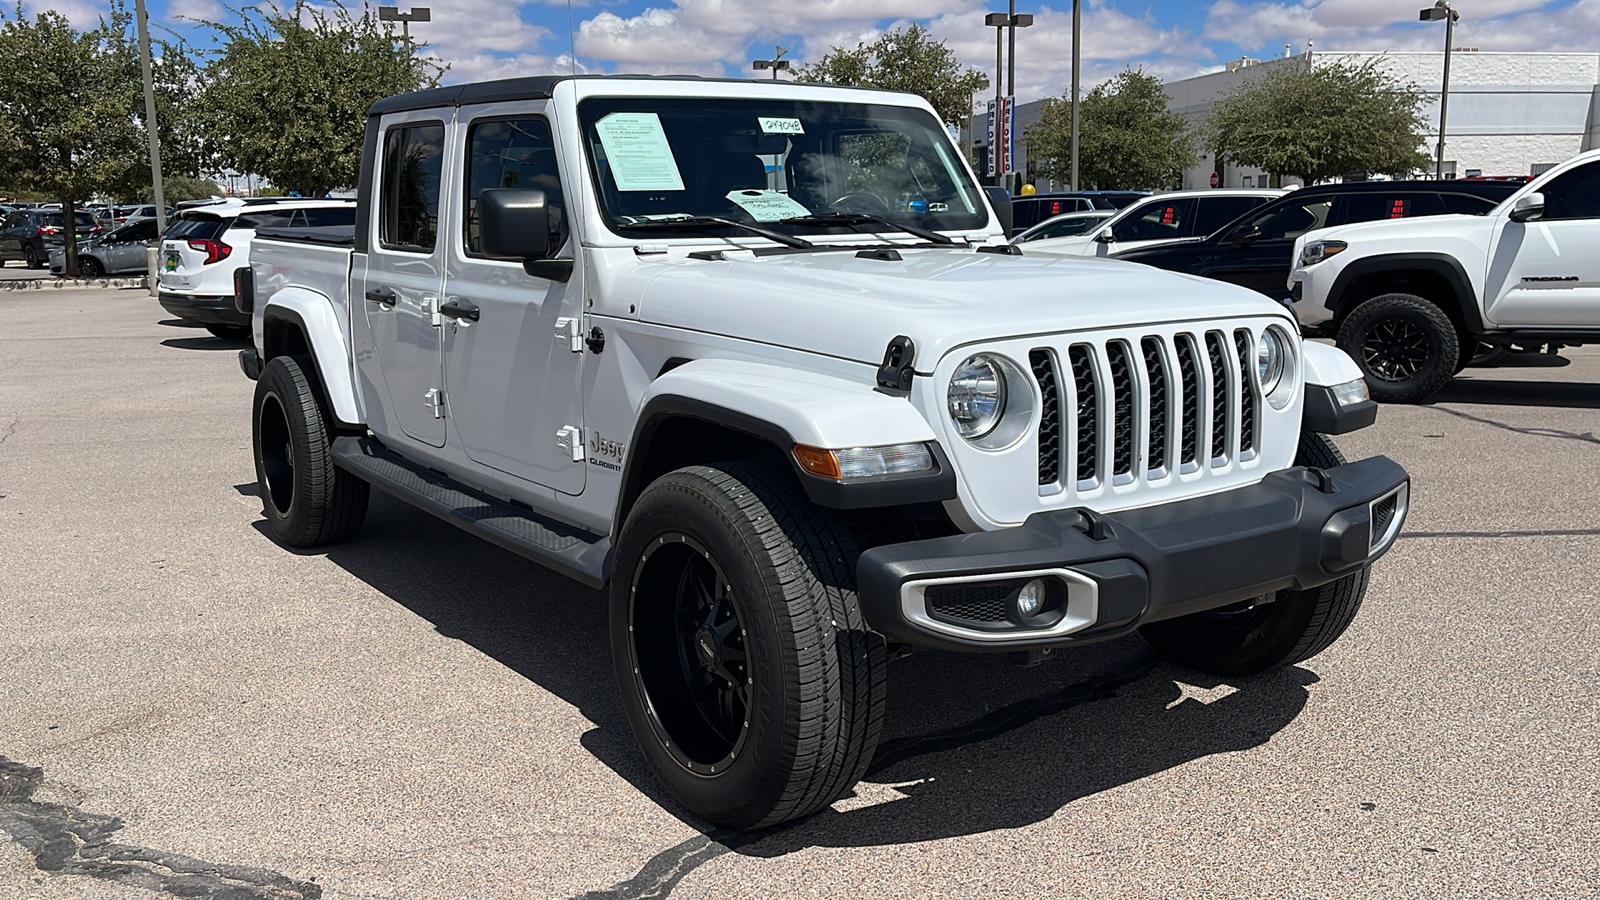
756,359
1413,300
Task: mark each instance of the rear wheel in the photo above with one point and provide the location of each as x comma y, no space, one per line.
308,502
1406,346
748,675
1272,631
30,257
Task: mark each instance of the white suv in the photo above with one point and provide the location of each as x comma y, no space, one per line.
205,244
1159,219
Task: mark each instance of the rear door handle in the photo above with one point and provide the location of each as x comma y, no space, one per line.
384,295
457,308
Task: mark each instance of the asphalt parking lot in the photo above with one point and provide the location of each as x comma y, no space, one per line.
188,709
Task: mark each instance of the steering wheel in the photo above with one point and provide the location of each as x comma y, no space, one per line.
862,201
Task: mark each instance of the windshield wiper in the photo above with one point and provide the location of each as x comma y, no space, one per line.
855,218
688,221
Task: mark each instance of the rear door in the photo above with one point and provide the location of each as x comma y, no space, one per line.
405,274
513,377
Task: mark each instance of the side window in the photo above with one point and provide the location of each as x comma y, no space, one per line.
1575,195
408,204
1381,205
1157,221
1287,222
323,217
1216,212
518,153
1466,204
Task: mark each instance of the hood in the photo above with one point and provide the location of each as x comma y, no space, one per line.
849,307
1388,229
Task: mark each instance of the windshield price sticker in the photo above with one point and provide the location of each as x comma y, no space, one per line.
767,206
638,153
775,125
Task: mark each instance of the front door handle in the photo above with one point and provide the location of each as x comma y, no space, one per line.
457,308
384,295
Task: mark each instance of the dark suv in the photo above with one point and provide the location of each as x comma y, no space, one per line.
1256,249
28,234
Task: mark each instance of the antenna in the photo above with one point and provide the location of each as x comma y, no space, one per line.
572,40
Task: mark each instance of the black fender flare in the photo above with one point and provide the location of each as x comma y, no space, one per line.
936,486
1441,264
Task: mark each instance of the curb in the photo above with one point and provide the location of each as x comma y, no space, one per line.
35,284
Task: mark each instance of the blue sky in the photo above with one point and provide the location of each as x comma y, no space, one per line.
482,39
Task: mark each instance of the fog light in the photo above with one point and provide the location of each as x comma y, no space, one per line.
1031,599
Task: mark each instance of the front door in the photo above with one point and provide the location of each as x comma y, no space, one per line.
513,376
405,276
1259,252
1546,273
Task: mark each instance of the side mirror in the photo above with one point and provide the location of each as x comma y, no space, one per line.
1000,199
518,224
1246,238
1528,207
1105,237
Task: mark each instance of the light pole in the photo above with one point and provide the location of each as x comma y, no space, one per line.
777,63
415,14
1077,34
1441,10
150,118
1007,86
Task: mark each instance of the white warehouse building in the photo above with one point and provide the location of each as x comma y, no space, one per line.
1510,113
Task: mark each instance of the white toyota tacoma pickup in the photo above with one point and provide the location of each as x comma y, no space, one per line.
1412,300
756,359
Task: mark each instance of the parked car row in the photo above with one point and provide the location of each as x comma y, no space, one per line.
28,234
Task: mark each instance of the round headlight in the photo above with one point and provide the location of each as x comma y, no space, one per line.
977,396
1271,355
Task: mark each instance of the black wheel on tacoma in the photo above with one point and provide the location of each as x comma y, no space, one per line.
748,675
1273,631
1405,345
307,501
229,332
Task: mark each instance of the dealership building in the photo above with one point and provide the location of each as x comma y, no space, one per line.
1510,113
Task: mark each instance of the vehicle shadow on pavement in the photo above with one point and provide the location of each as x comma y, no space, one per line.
1564,394
971,744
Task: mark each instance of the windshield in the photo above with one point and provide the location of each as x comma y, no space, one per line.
765,161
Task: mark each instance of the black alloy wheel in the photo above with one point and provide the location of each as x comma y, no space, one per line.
1394,350
90,267
307,500
1405,345
690,655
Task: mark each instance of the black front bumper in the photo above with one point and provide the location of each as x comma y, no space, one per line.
1295,529
203,309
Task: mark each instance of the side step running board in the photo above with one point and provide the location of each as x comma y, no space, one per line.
574,553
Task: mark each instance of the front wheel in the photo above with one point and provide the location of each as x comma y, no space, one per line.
748,675
308,502
1272,631
1405,345
90,267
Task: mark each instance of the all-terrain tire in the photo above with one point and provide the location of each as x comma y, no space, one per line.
308,501
777,712
1406,346
229,332
1247,639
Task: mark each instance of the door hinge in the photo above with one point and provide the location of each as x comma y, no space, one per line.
434,400
430,304
569,440
568,330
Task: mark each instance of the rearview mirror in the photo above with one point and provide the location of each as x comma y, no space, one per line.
1528,207
514,223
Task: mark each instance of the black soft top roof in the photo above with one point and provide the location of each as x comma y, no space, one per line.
536,87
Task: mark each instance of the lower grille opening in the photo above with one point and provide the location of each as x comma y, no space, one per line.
981,602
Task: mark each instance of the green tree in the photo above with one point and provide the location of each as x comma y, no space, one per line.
287,93
66,110
904,60
1127,137
1320,119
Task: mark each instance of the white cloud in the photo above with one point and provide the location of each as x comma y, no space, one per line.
1263,27
81,13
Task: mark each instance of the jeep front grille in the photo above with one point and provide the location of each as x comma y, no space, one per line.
1145,408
